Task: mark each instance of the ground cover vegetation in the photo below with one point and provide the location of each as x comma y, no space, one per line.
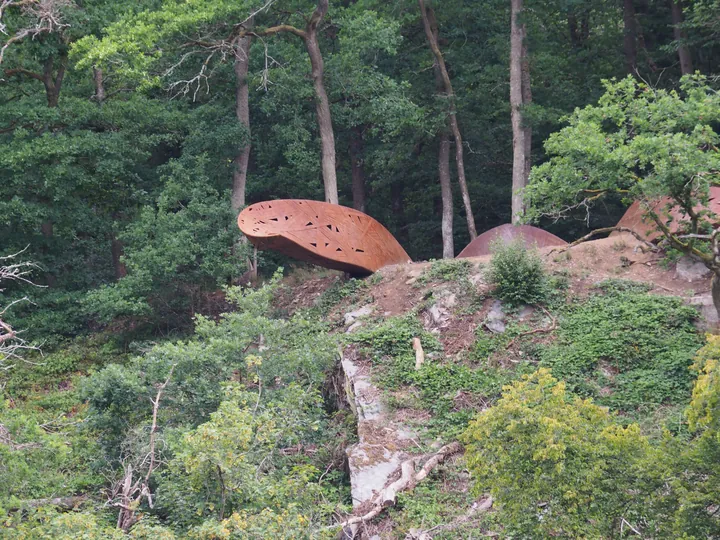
148,392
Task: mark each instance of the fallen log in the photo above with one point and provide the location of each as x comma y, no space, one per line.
66,503
407,481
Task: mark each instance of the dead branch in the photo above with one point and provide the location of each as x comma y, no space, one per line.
46,17
407,482
604,230
130,491
419,353
476,508
11,343
7,440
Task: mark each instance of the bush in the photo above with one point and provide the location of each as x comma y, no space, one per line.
557,465
517,274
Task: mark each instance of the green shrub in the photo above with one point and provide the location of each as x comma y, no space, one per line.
517,274
556,464
393,337
615,285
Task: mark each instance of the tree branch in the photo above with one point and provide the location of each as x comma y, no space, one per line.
605,230
22,71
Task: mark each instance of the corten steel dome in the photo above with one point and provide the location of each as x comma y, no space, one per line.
633,218
532,236
325,234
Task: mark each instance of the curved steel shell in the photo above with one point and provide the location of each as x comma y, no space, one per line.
532,236
321,233
633,217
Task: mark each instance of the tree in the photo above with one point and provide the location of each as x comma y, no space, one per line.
630,32
684,55
520,96
242,111
642,144
444,166
428,17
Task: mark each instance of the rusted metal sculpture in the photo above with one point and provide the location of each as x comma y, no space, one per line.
531,236
325,234
633,218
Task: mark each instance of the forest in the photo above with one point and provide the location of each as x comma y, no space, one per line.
161,378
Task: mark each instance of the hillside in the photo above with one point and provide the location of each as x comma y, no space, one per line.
259,405
473,345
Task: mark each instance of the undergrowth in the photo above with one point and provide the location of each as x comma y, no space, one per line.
625,348
446,270
339,291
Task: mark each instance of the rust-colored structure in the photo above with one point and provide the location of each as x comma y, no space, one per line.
321,233
532,236
633,217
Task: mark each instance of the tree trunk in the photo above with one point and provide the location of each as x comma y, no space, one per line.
358,168
579,32
428,18
322,104
527,100
683,50
53,84
520,146
242,112
99,86
446,194
630,36
446,224
716,292
116,249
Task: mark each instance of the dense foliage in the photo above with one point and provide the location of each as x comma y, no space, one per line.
118,171
172,401
243,433
562,465
626,349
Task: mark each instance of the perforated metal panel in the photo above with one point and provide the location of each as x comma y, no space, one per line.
328,235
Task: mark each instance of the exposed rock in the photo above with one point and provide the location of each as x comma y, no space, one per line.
526,312
437,313
381,443
707,310
352,316
440,311
413,275
354,326
477,279
691,270
495,321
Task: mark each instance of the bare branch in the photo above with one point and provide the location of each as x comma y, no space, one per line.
129,492
45,14
11,343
